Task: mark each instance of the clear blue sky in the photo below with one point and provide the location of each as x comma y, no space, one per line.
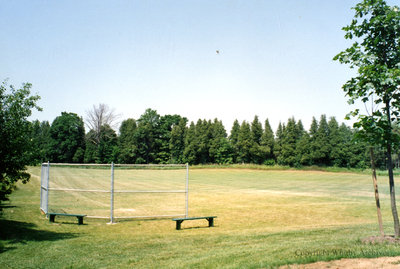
274,61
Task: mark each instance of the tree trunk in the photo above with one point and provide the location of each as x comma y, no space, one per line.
375,182
392,193
390,170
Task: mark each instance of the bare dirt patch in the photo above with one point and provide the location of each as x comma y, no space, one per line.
383,262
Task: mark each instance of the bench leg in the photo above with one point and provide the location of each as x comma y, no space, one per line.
51,217
210,222
80,220
178,224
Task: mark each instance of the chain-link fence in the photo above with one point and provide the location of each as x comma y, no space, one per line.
115,191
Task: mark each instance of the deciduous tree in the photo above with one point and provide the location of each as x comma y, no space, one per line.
376,56
67,139
16,106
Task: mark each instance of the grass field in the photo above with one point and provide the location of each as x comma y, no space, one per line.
265,219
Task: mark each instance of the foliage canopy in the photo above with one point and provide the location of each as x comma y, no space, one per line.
15,132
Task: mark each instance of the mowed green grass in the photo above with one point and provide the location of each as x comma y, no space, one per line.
265,219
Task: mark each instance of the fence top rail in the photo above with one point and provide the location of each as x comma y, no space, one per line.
115,165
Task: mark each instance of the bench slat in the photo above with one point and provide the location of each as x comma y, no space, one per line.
193,218
66,214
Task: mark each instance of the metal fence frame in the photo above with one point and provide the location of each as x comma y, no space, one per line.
45,188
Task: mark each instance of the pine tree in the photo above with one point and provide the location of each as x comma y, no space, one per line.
288,144
190,152
335,141
267,143
234,138
40,135
177,141
167,122
127,142
257,156
244,143
146,136
220,150
303,150
278,140
322,145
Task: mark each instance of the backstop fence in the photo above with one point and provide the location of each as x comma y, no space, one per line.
115,191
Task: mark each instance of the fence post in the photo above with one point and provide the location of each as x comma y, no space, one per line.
47,186
187,191
112,194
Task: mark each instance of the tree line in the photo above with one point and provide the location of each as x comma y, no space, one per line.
172,139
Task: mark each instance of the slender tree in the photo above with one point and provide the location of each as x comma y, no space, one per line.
376,56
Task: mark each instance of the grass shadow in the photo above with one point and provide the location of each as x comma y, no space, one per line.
21,232
196,227
6,206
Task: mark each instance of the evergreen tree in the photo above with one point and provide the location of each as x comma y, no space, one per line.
299,129
234,138
127,142
267,143
288,143
146,137
336,142
40,136
163,139
256,130
257,155
220,150
303,150
278,140
107,149
204,134
103,149
177,141
312,140
322,145
91,147
244,143
190,152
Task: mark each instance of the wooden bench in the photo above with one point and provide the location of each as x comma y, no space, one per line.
180,220
52,216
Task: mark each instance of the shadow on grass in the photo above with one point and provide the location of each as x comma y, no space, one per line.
197,227
7,206
22,232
